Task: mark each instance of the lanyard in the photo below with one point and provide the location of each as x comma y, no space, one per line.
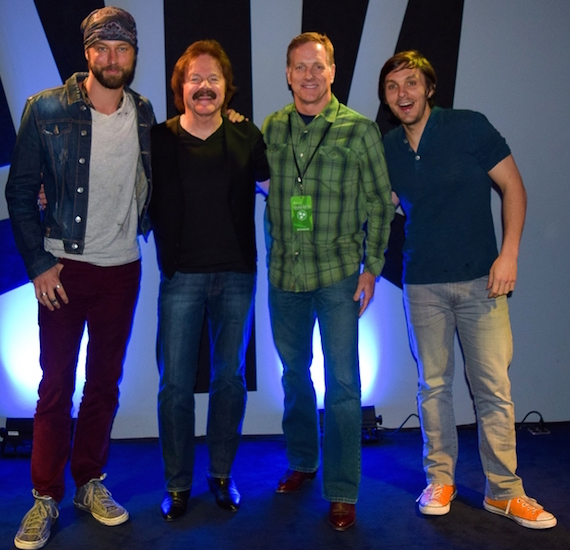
300,174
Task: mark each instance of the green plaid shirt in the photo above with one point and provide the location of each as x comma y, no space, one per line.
347,180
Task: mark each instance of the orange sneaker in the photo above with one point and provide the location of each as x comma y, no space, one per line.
435,499
524,510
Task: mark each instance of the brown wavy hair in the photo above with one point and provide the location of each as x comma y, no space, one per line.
410,59
202,47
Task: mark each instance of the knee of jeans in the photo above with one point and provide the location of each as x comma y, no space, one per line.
221,381
346,397
297,382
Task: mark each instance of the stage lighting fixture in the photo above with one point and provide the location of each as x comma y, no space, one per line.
17,437
370,423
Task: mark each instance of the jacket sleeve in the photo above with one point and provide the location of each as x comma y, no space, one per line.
22,190
166,209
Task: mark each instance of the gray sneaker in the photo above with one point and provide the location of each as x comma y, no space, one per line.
95,498
35,528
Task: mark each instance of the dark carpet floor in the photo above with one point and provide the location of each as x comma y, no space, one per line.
387,514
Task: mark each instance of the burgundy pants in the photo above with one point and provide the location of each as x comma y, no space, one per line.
104,298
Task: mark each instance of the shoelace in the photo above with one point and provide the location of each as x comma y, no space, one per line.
97,490
526,502
37,515
433,490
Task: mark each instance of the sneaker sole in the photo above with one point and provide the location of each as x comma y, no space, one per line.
105,521
437,510
26,545
530,524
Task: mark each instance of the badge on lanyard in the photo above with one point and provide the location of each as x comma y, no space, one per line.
302,205
302,213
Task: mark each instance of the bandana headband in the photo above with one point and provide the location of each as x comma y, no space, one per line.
109,23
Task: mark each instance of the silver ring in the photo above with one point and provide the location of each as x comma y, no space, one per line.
57,286
43,294
54,302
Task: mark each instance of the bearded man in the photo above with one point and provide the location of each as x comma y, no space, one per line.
88,143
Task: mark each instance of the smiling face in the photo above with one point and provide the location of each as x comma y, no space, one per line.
112,63
310,77
204,89
407,95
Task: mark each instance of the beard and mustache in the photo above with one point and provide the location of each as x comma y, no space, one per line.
116,81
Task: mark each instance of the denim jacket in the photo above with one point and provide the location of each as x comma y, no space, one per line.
53,147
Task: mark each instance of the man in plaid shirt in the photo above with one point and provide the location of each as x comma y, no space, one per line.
328,212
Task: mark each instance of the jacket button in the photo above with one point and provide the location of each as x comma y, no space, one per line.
80,189
81,161
78,219
75,246
83,132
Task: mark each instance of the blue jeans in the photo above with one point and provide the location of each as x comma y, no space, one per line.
228,299
435,312
292,320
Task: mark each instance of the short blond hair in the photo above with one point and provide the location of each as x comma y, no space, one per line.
316,37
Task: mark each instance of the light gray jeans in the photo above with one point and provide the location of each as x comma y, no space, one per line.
435,313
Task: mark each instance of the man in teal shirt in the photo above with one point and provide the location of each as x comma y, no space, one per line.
328,212
443,164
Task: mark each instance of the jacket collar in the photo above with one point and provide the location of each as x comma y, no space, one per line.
76,92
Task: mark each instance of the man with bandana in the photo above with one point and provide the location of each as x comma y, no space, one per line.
88,143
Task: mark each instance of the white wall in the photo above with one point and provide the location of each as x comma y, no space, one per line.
512,66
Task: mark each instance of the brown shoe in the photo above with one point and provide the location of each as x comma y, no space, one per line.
342,516
292,481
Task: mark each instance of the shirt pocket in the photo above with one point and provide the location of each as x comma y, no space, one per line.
336,167
57,140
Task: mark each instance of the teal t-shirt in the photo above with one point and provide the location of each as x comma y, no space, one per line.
445,192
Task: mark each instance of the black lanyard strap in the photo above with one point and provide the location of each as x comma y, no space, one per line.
300,174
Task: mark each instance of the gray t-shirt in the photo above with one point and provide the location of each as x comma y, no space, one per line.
112,219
